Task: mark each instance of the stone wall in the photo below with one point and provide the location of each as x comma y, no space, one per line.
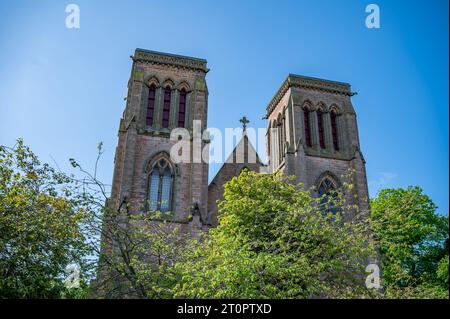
309,163
139,143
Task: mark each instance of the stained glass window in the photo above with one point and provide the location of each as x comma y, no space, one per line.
160,186
150,105
328,195
166,184
307,127
154,185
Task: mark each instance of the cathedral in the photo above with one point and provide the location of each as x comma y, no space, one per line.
311,133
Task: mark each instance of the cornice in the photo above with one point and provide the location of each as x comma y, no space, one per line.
178,61
308,83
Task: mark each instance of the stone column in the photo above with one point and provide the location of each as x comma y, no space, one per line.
300,167
327,131
157,115
346,138
314,130
174,103
189,110
361,188
199,175
341,138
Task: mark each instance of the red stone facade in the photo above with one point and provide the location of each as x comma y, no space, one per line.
311,164
332,148
331,151
139,143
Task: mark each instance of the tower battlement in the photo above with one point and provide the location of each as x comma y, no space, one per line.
161,58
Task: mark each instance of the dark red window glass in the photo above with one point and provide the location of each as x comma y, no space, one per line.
334,132
321,130
166,107
182,108
307,127
283,136
150,105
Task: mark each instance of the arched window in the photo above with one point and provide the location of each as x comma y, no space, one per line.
321,129
334,131
150,105
280,139
166,107
160,186
307,127
274,144
283,135
328,195
182,108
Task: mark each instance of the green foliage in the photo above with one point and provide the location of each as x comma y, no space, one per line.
147,250
274,242
137,251
442,271
40,227
412,242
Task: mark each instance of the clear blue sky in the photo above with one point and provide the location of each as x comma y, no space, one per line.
62,89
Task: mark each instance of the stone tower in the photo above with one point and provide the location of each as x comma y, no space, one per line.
165,91
313,134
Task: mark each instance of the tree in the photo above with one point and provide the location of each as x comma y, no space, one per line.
413,242
50,220
275,240
41,228
136,252
138,256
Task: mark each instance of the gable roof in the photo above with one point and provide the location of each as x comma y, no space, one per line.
232,157
241,145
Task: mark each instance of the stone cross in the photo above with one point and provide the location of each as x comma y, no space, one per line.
244,122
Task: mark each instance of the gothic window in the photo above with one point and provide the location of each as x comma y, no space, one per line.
274,143
280,138
160,186
182,108
283,135
328,195
150,105
307,127
321,129
154,190
334,131
166,107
